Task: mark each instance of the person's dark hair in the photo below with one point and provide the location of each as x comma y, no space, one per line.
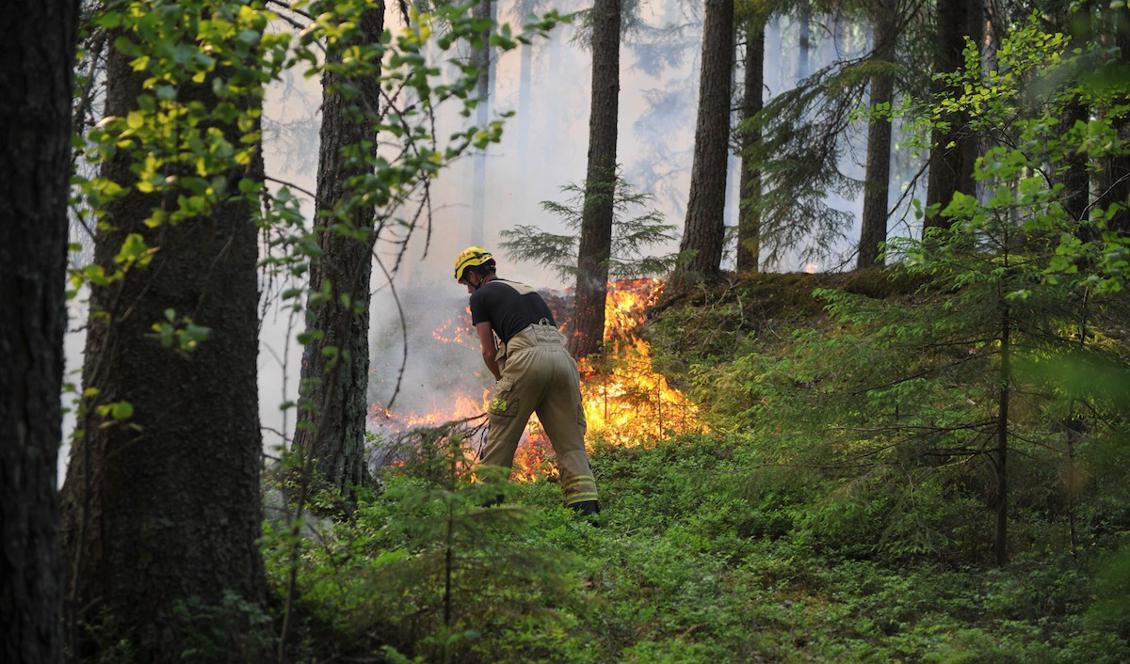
484,270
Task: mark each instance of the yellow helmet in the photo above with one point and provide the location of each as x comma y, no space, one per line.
471,257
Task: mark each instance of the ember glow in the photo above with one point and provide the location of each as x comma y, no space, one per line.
626,402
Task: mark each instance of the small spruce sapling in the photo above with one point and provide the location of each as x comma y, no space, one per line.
423,568
636,227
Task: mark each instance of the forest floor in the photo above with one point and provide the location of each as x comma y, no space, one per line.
709,548
686,569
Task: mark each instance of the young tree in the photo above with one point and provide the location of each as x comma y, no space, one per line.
36,59
636,227
703,229
335,363
161,501
587,328
876,187
953,148
1008,280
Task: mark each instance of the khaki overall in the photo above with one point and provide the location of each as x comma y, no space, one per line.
539,376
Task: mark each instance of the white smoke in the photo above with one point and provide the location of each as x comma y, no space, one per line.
541,150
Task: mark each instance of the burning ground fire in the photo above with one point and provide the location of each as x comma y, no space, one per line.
626,402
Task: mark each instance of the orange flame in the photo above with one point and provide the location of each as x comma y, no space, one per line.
626,402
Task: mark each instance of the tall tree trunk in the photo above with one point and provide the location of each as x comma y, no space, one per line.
481,59
331,423
749,217
703,229
953,150
1116,181
804,40
1073,173
1075,178
1113,185
164,506
36,59
876,185
600,183
525,101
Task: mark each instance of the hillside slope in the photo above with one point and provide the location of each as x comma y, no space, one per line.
789,531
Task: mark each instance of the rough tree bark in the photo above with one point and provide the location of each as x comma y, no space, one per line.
36,58
165,507
876,185
595,247
331,421
703,230
951,168
749,184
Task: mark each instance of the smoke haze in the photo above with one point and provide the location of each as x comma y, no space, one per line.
543,147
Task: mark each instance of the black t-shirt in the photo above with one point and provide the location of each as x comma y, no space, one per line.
509,307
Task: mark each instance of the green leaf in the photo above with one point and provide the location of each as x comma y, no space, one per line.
134,250
126,47
109,20
122,410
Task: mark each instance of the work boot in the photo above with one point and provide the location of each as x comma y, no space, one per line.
586,507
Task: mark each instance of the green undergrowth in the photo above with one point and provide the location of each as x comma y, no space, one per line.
794,531
690,562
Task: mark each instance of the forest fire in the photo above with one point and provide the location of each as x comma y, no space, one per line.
626,402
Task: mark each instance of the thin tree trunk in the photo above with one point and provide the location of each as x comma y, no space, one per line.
703,230
165,506
36,59
481,59
877,180
525,101
749,216
804,40
331,423
554,116
1000,541
1075,427
953,150
595,245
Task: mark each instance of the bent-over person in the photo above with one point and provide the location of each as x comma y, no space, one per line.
534,374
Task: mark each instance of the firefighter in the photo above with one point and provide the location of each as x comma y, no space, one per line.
534,374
